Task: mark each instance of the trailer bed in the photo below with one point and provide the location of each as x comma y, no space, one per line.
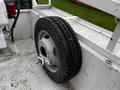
20,70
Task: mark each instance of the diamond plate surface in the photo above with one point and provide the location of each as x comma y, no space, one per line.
94,36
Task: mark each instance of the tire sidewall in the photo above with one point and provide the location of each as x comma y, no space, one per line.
60,70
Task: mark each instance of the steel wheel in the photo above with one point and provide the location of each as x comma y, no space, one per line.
57,48
48,51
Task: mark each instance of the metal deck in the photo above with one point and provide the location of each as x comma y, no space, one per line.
20,71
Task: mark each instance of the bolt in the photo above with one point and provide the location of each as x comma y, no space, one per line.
108,62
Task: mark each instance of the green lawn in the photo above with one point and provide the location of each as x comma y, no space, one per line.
94,16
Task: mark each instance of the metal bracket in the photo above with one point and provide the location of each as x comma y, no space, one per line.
43,60
44,6
50,2
115,37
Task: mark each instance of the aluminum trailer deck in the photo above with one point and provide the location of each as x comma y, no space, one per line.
21,71
18,63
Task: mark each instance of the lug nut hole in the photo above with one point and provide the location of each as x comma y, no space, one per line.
43,52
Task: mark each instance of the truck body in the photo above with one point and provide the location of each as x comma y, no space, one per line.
19,67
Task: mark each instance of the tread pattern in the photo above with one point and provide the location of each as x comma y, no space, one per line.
68,47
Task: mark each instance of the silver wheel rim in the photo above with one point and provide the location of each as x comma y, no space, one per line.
47,51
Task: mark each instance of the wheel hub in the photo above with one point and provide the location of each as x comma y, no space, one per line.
47,51
43,52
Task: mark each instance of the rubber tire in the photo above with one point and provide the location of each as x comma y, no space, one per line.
69,50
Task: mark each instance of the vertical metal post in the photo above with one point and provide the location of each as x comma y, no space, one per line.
50,2
115,37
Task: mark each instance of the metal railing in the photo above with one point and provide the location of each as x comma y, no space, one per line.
116,34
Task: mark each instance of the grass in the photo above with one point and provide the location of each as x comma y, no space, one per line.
94,16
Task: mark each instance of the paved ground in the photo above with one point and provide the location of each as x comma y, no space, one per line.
21,72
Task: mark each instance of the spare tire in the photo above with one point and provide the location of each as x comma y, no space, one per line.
57,44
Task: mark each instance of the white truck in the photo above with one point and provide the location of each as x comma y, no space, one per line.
74,53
